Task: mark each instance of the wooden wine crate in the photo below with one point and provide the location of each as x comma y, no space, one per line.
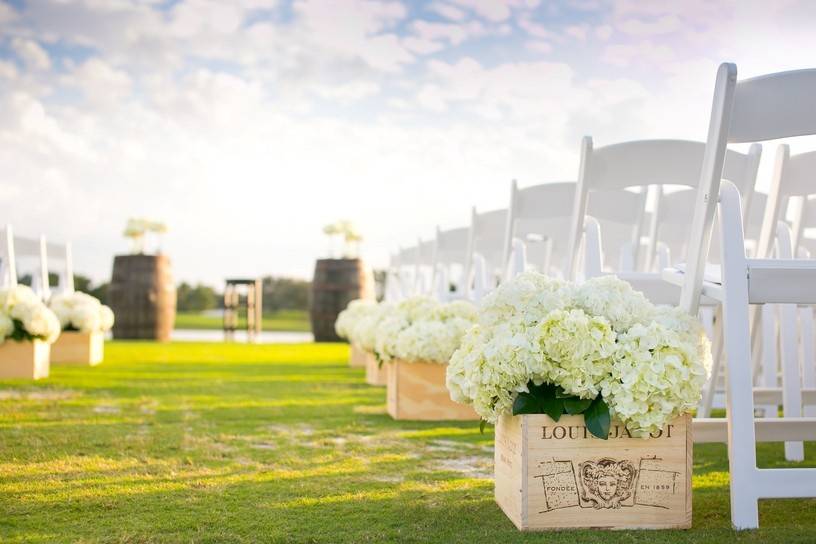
556,475
78,348
357,356
29,360
375,373
417,391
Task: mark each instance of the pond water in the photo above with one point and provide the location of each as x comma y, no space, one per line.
266,337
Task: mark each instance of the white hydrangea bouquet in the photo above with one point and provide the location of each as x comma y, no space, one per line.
24,317
348,319
81,312
423,329
599,349
414,329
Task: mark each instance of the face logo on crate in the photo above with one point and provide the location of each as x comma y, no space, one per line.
606,483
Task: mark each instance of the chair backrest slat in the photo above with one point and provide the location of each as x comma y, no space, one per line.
799,175
773,106
645,162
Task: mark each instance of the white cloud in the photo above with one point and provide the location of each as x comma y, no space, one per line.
100,83
577,31
624,55
447,11
350,92
603,32
539,46
32,54
8,70
662,25
495,10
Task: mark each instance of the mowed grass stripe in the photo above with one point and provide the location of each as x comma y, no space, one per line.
277,443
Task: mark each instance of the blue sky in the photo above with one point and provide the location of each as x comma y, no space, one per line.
248,125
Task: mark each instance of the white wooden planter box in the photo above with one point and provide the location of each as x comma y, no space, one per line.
375,373
357,356
556,475
29,360
416,391
78,348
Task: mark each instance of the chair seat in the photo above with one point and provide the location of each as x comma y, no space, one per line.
711,290
715,430
782,281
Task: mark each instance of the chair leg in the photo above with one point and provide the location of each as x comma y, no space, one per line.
740,404
739,391
791,378
808,357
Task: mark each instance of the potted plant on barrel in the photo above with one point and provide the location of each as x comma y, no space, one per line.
338,280
84,321
590,387
27,328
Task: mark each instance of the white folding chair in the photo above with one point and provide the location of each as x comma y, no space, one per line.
423,267
404,272
537,224
29,254
605,175
65,273
392,292
769,107
8,265
484,264
449,258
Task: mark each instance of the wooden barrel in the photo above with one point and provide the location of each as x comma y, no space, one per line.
142,296
336,283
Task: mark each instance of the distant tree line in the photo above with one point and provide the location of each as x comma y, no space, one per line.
278,293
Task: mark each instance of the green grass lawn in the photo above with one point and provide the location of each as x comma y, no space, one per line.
283,320
277,443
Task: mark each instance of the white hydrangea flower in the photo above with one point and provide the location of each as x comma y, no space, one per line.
580,349
614,299
81,312
364,331
348,318
21,304
19,294
106,318
431,340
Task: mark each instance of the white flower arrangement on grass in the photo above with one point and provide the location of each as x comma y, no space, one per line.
81,312
24,317
599,349
415,329
436,335
351,316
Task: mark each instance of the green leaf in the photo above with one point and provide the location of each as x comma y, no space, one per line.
574,405
526,403
540,400
482,424
552,406
597,418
